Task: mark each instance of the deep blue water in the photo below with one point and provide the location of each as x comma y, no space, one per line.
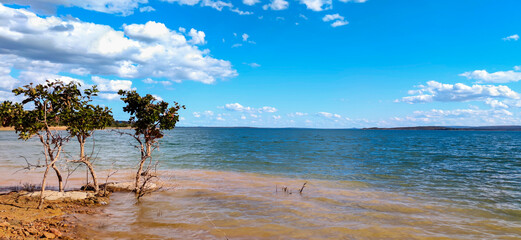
473,167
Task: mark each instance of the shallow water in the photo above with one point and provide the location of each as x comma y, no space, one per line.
360,185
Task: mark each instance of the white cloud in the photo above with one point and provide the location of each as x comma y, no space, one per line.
149,81
7,82
336,20
245,37
250,2
240,12
236,107
318,5
183,2
165,83
196,114
277,117
459,92
482,76
140,51
158,98
470,117
434,113
236,45
108,96
300,114
106,85
254,65
329,115
217,5
494,103
514,37
122,7
197,36
147,9
276,5
267,109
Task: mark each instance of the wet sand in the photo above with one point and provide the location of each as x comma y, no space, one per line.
201,204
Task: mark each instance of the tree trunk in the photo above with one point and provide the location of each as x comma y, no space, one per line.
59,175
87,162
44,182
82,154
145,156
94,178
138,174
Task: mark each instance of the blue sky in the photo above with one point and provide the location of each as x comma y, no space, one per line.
278,63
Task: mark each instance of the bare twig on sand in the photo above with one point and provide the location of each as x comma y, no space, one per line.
302,188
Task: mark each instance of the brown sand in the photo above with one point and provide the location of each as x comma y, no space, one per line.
20,219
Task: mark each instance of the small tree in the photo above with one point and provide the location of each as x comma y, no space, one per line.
148,118
9,112
48,101
82,119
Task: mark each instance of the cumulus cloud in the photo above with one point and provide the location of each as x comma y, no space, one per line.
276,5
215,4
147,9
329,115
106,85
240,12
140,51
459,92
458,113
236,107
482,76
250,2
122,7
336,20
197,37
318,5
267,109
254,65
470,117
300,114
245,37
514,37
355,1
494,103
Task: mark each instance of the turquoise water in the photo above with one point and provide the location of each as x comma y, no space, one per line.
471,178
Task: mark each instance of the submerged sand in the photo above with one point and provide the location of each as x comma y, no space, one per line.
207,204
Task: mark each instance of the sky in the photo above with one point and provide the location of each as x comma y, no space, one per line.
278,63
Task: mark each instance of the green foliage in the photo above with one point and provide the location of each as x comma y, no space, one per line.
49,100
82,118
149,117
9,112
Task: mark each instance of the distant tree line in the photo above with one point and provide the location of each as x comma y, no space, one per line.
56,103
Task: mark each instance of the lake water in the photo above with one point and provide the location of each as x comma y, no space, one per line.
361,184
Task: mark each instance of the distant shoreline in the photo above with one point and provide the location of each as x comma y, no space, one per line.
442,128
59,128
514,128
